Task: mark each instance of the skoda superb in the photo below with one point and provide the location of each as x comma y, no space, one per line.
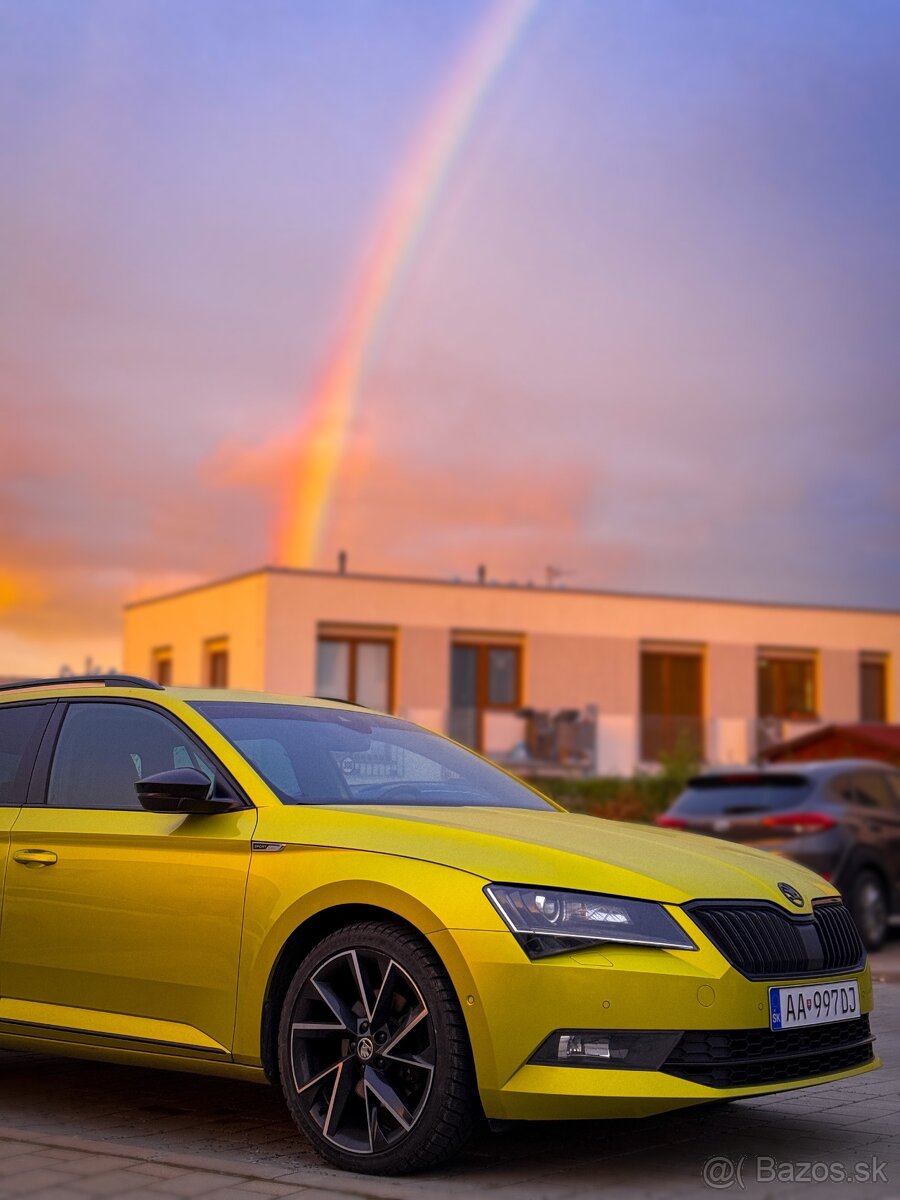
401,936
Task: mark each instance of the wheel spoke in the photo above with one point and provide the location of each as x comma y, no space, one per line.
381,1009
340,1094
376,1085
408,1025
317,1078
360,983
418,1061
344,1013
315,1029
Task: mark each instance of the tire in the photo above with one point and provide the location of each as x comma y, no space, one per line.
373,1053
869,906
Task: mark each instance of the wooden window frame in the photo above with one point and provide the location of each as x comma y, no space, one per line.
162,655
211,648
881,660
483,645
779,656
354,640
671,725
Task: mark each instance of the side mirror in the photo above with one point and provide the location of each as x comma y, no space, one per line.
184,790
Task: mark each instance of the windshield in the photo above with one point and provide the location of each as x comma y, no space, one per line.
335,756
708,795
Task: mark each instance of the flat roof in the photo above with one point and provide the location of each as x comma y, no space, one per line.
512,586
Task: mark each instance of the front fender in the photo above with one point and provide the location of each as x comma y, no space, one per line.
288,888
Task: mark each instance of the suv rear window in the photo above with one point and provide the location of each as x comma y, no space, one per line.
708,795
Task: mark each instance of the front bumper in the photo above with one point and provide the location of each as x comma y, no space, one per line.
512,1005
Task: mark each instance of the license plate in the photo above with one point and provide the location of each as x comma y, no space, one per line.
813,1004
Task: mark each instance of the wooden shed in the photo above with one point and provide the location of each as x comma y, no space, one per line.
880,742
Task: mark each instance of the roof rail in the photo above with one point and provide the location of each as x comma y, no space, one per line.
135,681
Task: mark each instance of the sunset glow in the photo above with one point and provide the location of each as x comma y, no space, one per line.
598,293
327,417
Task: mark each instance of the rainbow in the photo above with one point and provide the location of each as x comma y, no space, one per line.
410,204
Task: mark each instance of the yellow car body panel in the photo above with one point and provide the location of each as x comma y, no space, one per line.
154,938
141,915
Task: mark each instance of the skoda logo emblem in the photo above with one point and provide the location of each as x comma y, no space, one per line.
365,1048
791,893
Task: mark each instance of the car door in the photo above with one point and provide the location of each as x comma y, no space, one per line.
122,925
21,729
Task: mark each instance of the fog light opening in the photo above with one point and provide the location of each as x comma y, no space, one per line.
615,1049
580,1045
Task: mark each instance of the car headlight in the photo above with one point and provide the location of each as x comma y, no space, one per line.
547,921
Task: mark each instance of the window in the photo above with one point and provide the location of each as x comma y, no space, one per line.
162,666
709,795
357,668
786,686
337,756
217,663
873,688
869,789
104,748
671,702
21,726
484,677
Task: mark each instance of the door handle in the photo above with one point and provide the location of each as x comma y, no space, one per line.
35,858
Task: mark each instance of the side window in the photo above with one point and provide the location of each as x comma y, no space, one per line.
872,791
105,747
893,782
21,727
867,789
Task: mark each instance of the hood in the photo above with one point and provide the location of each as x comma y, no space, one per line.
553,849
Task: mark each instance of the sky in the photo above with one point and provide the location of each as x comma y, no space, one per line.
648,333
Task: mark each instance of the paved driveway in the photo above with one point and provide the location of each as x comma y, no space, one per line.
72,1130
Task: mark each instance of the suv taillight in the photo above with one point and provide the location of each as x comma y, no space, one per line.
806,822
667,822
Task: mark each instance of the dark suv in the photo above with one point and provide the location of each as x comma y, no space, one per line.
840,818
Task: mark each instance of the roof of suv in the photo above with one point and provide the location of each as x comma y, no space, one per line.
820,769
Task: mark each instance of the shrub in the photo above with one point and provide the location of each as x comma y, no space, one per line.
639,797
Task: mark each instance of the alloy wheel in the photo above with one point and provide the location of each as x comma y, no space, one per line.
362,1050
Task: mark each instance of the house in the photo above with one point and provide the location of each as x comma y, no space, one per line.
603,680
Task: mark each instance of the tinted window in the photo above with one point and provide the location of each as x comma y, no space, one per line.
104,748
869,789
707,796
893,782
21,727
329,756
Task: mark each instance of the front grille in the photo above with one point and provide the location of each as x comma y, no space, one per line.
726,1058
764,942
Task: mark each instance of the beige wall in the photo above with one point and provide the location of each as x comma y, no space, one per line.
839,685
580,648
560,611
233,610
290,650
730,680
571,672
423,668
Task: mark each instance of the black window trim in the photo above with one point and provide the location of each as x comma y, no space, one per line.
40,776
32,750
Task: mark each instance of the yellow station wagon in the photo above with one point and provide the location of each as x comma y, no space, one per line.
402,936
